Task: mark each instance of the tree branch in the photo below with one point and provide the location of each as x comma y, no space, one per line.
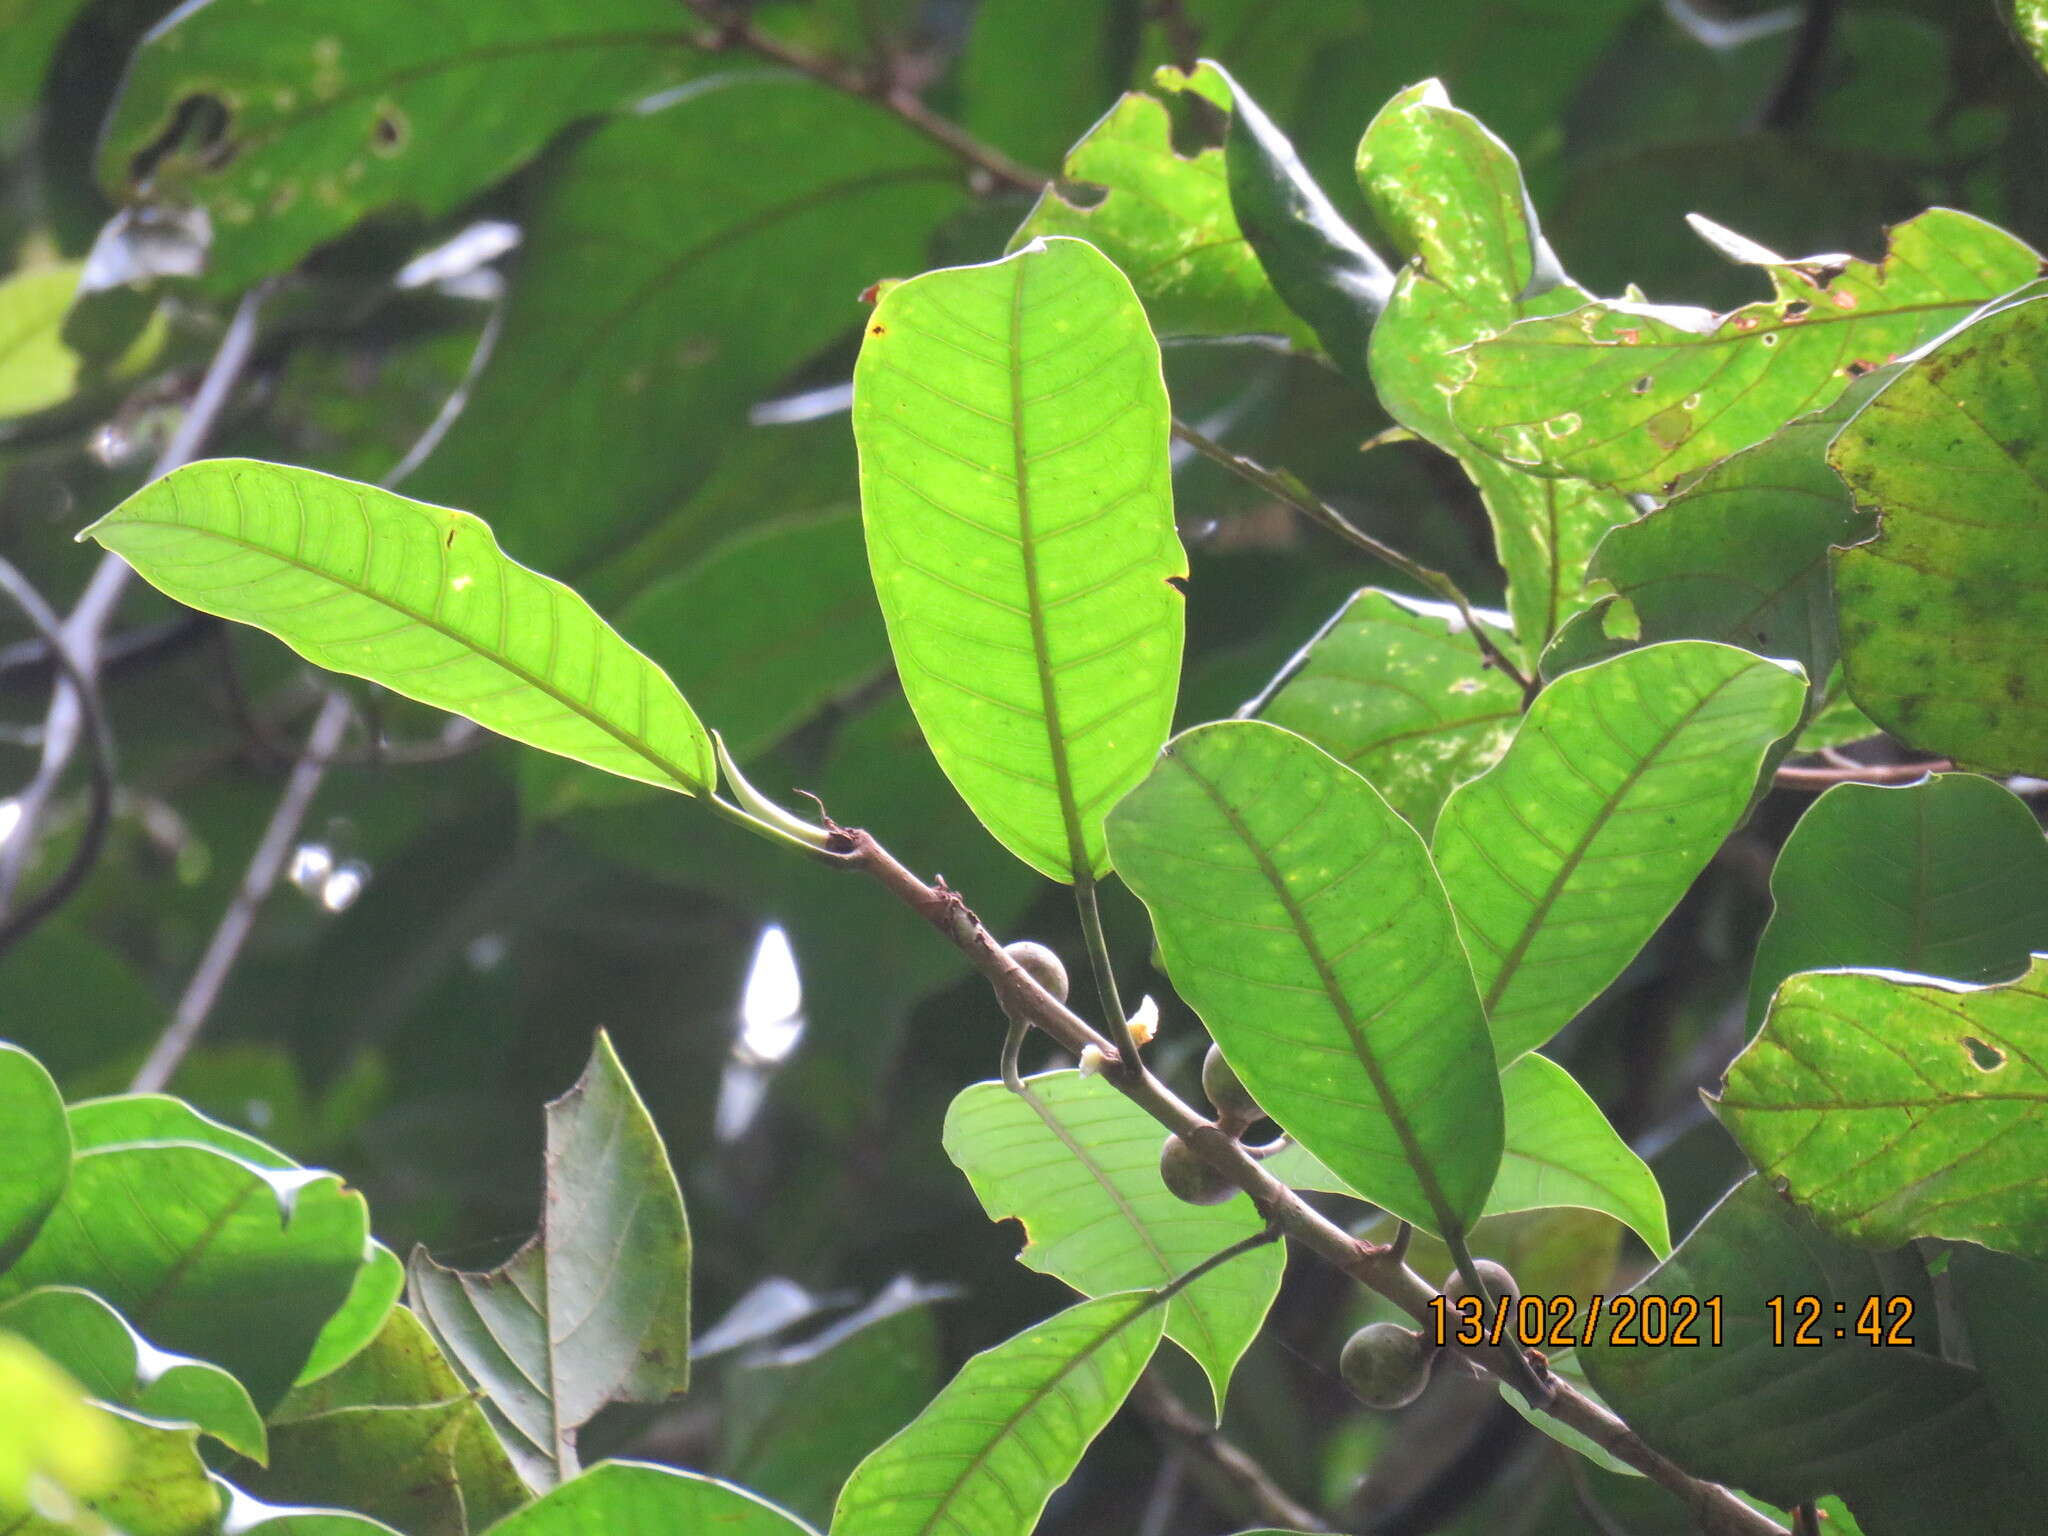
1858,773
1263,1498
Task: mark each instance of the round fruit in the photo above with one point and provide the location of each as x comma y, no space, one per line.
1225,1092
1386,1365
1189,1177
1041,965
1499,1283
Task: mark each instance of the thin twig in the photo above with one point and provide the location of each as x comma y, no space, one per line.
258,881
455,404
1717,1511
1118,1024
1859,773
1289,489
1263,1498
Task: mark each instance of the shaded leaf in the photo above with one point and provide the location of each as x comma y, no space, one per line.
1942,611
35,1149
1562,859
163,1488
1008,1429
37,370
627,1498
1032,113
1077,1165
417,598
1893,1108
34,28
1012,423
1299,915
595,1308
378,1285
1393,688
1638,396
1944,878
2002,1302
246,1515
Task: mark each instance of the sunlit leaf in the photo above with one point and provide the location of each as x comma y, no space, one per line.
377,1287
36,369
49,1433
415,597
1942,611
595,1308
35,1149
1946,878
163,1490
1893,1108
1638,396
1300,916
1079,1169
1624,778
1008,1429
1013,430
626,1498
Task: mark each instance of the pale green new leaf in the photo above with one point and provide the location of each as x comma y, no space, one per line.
1299,915
1078,1165
1893,1107
49,1434
1008,1429
1562,859
37,370
415,597
629,1498
1639,396
1012,423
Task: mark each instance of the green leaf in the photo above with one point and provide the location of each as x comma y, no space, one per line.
1942,612
2002,1303
35,1149
1393,688
1562,859
1077,1165
1300,916
417,598
1013,423
37,370
246,1515
1546,532
626,1498
1945,878
1894,1108
375,1292
1033,113
1008,1429
33,28
595,1308
393,1435
163,1490
49,1434
2029,22
1896,1431
679,266
1837,723
204,1253
1639,396
1165,219
286,135
116,1364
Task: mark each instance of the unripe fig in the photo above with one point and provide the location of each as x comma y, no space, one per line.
1386,1365
1499,1283
1189,1177
1041,965
1225,1092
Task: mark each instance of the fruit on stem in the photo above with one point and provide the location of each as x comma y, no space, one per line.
1386,1365
1235,1107
1193,1180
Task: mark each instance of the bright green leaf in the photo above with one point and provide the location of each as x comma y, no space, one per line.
1013,430
626,1498
1639,396
595,1308
246,1515
117,1365
49,1433
1945,878
1008,1429
164,1488
370,1300
35,1149
1300,916
1393,687
1893,1108
1078,1166
1624,778
1943,611
37,370
417,598
2029,21
1837,723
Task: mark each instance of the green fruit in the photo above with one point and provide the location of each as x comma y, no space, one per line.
1386,1365
1499,1283
1041,965
1226,1093
1189,1177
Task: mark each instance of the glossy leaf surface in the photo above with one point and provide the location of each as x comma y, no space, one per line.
417,598
1012,423
1622,781
1893,1108
1299,915
627,1498
1079,1170
35,1148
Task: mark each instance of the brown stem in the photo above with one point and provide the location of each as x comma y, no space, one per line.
1858,773
1261,1496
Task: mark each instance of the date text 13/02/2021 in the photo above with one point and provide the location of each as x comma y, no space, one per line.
1560,1322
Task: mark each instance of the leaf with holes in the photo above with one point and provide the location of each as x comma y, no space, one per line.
1943,611
1078,1165
1012,423
1562,859
1008,1429
1299,915
1894,1108
287,136
1640,396
1946,878
1393,688
35,1149
595,1308
417,598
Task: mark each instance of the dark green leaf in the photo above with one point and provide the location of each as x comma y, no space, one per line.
377,1287
1014,478
1300,916
163,1488
1892,1108
1036,114
34,28
2002,1303
246,1515
625,1498
35,1149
